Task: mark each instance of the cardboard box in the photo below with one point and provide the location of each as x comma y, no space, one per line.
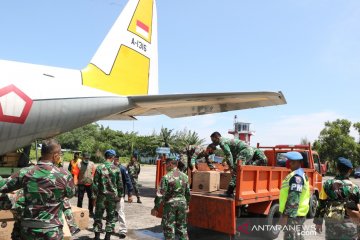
6,215
225,178
206,181
81,216
66,230
6,228
10,160
6,224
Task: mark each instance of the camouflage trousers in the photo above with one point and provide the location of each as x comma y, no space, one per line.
109,204
293,228
232,183
174,220
42,233
135,184
341,231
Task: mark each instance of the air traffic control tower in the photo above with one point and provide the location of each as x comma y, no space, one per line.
241,131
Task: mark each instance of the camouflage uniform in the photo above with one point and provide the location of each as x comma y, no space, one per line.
295,223
134,171
15,203
235,150
334,193
199,152
108,189
45,187
259,158
174,193
69,217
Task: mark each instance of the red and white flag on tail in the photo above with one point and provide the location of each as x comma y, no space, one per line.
142,29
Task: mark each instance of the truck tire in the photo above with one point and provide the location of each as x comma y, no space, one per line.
313,205
272,219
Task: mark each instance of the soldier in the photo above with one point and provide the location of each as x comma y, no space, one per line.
198,152
107,189
336,196
45,188
174,193
16,203
294,198
83,178
19,208
134,170
235,150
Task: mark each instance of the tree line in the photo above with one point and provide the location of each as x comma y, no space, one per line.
335,141
95,139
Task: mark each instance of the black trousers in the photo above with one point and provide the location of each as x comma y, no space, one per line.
81,192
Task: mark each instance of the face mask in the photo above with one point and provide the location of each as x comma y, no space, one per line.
58,161
86,161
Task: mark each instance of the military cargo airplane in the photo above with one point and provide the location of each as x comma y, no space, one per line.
119,83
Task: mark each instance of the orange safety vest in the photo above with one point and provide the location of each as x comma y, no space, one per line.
74,167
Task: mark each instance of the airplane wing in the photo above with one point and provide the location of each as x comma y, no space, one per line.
185,105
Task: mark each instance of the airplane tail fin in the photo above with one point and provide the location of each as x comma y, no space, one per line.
126,62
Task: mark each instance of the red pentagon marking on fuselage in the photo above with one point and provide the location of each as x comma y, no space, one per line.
15,105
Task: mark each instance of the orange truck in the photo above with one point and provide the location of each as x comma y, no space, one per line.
257,192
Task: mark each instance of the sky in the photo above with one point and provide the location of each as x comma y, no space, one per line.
309,50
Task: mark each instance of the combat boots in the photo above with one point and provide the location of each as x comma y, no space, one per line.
97,236
107,236
138,200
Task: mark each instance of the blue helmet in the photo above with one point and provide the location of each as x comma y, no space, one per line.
110,153
294,156
345,162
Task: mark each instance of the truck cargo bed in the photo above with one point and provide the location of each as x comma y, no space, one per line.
212,211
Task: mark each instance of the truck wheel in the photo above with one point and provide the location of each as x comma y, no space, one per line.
272,219
313,205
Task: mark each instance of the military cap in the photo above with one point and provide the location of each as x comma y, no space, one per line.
294,156
345,162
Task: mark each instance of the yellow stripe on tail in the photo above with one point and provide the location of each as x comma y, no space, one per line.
129,76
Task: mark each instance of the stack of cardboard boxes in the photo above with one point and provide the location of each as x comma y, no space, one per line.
10,160
210,181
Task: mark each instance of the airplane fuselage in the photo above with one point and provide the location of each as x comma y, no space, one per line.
38,102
